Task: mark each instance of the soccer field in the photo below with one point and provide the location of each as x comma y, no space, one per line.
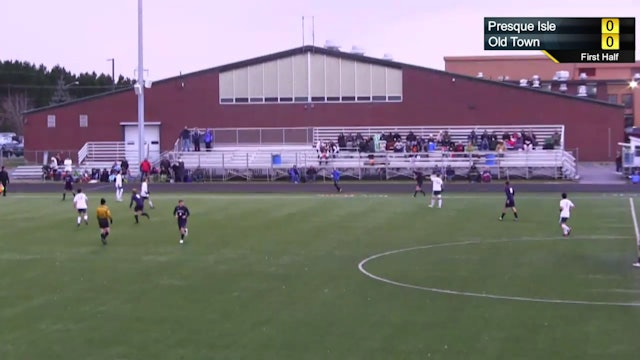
278,277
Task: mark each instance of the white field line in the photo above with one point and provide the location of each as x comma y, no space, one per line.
361,267
635,223
285,196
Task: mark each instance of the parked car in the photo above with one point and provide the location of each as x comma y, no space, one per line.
12,149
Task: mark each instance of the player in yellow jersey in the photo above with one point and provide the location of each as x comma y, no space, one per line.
104,220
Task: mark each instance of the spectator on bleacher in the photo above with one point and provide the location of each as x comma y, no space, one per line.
196,137
469,149
472,138
399,147
208,139
500,148
485,141
334,149
397,136
185,139
311,173
473,174
446,138
165,167
411,138
342,140
556,138
294,174
449,173
124,167
486,176
527,142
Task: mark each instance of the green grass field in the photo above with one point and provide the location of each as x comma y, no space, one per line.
276,277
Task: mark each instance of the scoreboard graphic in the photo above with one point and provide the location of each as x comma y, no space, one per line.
565,40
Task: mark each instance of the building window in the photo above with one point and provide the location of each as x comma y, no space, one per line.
51,121
587,71
628,121
84,121
612,98
627,100
305,78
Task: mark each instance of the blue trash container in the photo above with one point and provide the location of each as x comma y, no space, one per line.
276,159
432,147
490,160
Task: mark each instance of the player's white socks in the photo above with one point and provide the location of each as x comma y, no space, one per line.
79,220
150,203
86,217
433,202
439,203
565,229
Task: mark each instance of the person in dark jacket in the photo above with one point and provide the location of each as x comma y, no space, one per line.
4,180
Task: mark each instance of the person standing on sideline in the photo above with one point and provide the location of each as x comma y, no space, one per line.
335,175
436,190
4,180
144,192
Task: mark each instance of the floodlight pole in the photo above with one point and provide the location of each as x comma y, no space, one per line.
140,84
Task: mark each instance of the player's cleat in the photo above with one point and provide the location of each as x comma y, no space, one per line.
568,232
181,241
636,265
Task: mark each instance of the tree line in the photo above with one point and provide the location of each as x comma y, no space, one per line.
25,86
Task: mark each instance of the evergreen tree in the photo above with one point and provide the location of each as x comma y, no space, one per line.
61,95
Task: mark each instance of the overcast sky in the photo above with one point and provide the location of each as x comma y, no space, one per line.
190,35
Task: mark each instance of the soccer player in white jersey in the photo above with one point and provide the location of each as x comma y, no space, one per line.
565,213
81,202
436,190
119,188
144,192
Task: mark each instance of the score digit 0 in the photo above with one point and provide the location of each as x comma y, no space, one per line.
610,42
610,26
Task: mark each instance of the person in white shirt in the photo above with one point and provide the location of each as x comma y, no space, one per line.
81,202
119,188
68,165
436,193
565,213
144,192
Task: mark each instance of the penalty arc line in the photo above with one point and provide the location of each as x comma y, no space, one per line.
361,267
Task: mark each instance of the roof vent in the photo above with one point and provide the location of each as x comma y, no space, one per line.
480,75
583,76
500,78
582,90
563,88
331,45
563,75
389,57
357,50
524,82
636,76
535,81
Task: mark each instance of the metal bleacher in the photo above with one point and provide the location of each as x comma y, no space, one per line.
257,161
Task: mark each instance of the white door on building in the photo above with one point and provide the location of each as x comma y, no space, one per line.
151,138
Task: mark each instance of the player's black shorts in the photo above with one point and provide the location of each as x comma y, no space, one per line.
563,220
437,193
103,223
138,208
82,211
145,197
182,224
510,204
68,186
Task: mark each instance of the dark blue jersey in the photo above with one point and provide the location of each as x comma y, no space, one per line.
181,212
419,177
136,199
335,174
509,193
68,179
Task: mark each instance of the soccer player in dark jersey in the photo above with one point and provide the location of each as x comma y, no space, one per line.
103,214
510,202
419,182
335,175
68,185
182,214
138,210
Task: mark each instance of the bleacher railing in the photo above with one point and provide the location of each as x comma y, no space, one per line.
554,164
256,136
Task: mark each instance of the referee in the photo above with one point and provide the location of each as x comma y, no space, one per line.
104,220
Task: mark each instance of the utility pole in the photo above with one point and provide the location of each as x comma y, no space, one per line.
140,83
113,72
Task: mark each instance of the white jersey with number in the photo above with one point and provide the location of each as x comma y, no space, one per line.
144,190
437,183
118,181
80,201
565,208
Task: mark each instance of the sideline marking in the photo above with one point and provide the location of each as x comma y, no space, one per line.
483,295
298,195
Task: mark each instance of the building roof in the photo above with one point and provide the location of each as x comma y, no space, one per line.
321,50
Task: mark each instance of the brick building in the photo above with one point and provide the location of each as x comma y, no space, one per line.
315,87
